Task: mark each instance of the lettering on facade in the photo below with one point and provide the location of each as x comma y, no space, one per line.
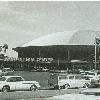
39,60
45,60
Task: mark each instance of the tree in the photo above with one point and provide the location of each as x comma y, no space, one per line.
5,46
0,48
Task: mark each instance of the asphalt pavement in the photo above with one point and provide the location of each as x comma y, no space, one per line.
36,95
44,93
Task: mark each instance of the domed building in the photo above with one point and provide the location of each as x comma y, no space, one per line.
63,49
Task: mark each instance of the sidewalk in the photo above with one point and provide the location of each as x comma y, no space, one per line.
91,91
74,97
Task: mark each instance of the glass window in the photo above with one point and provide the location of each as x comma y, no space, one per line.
11,79
71,77
86,77
14,79
86,73
2,79
19,79
62,77
9,70
91,74
4,70
78,77
98,73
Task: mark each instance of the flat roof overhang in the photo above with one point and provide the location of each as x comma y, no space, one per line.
62,47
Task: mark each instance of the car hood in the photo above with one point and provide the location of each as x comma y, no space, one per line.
30,82
1,82
23,82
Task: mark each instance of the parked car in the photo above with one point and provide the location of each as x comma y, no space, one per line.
67,81
45,69
95,82
8,83
82,72
90,73
6,71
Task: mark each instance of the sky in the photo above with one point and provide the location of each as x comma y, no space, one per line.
22,21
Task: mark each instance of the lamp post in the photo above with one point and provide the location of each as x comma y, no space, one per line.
95,54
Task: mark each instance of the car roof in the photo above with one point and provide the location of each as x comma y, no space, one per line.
10,76
67,74
59,74
6,68
74,75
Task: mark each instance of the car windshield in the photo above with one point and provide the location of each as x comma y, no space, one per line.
98,73
2,79
14,79
86,77
78,77
4,70
89,73
71,77
62,77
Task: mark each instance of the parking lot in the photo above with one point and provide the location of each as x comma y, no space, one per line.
37,95
43,93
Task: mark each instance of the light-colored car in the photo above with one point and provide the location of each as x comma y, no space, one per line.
91,75
8,83
95,82
45,69
67,81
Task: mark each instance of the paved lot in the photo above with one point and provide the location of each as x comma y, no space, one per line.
74,97
71,94
37,95
43,93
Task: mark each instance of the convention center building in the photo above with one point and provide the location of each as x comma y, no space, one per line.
62,50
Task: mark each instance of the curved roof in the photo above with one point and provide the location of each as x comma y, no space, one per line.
83,37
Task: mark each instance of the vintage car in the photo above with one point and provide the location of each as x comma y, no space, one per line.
68,81
8,83
95,82
92,73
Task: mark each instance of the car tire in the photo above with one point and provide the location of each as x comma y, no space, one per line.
33,88
86,85
6,89
66,86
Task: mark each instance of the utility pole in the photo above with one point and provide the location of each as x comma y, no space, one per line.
58,62
68,55
95,55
